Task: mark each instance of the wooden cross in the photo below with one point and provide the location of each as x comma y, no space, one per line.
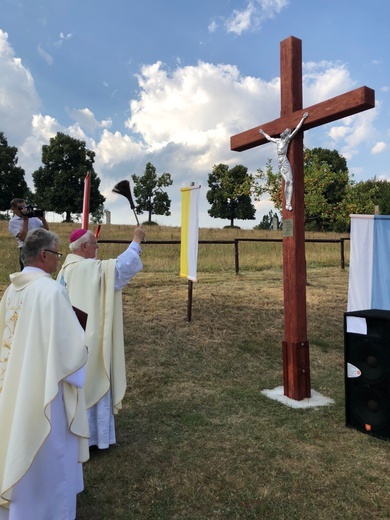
296,364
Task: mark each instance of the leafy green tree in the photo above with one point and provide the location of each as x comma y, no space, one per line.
359,199
59,183
380,194
268,220
327,187
12,182
230,193
384,197
268,181
149,195
326,183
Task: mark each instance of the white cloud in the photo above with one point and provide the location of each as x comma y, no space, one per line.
338,132
379,147
383,178
116,148
354,132
86,119
18,97
180,120
253,15
212,26
45,55
63,37
196,107
241,21
30,152
324,80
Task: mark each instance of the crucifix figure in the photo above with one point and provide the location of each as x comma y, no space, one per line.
296,365
282,144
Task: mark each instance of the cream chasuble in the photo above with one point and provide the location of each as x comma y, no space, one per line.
91,287
42,353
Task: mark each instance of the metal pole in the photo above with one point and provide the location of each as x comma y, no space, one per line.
342,253
236,259
189,303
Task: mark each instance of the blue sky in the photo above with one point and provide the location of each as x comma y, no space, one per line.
170,81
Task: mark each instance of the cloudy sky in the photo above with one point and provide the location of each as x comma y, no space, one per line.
170,81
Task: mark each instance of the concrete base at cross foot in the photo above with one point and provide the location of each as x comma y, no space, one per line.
316,398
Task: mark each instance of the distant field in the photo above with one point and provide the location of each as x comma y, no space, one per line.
212,258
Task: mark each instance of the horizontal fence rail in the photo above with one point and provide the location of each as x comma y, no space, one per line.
236,242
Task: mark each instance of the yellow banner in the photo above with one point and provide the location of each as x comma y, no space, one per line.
189,232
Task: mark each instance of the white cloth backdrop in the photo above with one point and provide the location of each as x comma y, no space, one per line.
369,270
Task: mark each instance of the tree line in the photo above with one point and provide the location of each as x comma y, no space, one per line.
331,194
59,182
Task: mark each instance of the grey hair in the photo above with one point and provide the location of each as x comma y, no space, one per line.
75,246
36,241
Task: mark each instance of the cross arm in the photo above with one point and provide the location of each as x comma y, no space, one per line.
348,104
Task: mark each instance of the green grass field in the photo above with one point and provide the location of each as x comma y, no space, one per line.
197,440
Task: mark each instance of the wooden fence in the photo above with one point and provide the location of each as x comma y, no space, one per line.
236,242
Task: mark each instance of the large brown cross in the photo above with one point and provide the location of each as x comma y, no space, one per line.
296,365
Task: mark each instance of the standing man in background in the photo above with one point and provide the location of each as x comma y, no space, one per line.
20,223
43,415
95,287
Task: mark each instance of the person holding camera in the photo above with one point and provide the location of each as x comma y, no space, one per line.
24,219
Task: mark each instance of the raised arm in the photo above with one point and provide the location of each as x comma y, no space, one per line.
299,125
268,137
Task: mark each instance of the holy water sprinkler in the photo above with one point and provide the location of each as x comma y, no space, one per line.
123,188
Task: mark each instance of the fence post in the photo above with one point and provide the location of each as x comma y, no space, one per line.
236,259
189,300
342,253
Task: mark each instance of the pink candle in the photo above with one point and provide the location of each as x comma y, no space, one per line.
87,190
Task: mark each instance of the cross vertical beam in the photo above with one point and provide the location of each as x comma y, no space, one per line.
296,366
296,369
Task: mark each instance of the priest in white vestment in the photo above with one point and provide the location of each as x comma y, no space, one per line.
43,416
95,286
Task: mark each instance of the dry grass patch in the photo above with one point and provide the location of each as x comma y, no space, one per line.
197,439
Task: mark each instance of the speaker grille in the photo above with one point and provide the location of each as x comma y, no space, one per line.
370,355
367,385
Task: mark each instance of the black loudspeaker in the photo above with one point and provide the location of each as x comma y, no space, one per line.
367,371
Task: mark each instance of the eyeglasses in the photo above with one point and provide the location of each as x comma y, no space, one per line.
54,253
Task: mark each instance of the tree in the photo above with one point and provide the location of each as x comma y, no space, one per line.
148,192
230,193
12,182
326,183
59,183
359,199
380,194
327,188
267,181
268,221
